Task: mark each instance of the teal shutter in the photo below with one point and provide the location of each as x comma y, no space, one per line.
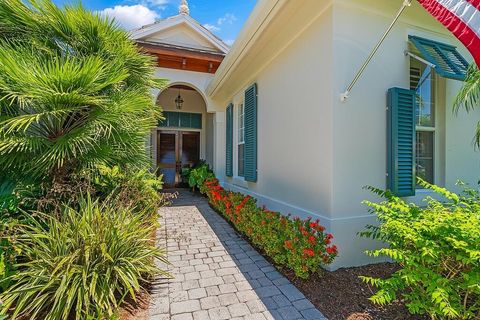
251,134
229,142
401,178
449,63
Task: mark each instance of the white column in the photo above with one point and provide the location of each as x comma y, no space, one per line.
219,145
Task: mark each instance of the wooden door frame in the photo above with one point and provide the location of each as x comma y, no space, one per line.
178,149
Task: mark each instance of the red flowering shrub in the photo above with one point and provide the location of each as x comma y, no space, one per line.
301,245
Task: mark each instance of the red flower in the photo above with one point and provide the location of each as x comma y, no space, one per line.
332,249
312,240
328,238
216,195
288,244
264,222
309,252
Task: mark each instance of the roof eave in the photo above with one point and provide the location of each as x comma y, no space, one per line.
258,20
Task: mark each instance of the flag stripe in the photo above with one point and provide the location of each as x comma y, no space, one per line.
475,3
458,27
465,11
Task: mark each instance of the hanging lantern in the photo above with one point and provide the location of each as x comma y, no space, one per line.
179,101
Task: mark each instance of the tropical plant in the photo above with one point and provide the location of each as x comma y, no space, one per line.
74,91
83,264
437,248
301,245
197,175
8,250
132,188
469,96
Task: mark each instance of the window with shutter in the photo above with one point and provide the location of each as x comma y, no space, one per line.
229,142
250,119
401,105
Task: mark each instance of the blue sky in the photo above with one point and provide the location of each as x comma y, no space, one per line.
225,18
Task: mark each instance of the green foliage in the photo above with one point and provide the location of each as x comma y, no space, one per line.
437,248
301,245
197,175
132,188
8,251
82,264
74,91
469,96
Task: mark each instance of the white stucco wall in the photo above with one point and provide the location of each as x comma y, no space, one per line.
294,126
315,153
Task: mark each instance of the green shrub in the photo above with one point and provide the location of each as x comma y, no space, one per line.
197,175
8,251
82,264
301,245
438,250
131,188
74,91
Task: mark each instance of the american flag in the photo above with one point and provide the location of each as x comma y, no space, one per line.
462,18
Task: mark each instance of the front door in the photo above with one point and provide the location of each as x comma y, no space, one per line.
176,150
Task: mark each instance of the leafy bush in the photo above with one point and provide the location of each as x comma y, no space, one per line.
82,264
131,188
197,175
8,250
301,245
438,250
74,91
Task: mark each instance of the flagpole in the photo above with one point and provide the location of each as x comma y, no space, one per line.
344,96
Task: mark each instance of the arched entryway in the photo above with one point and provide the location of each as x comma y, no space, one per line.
182,138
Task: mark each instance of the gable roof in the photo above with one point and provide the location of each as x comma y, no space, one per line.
204,36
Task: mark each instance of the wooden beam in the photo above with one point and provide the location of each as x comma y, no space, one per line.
180,63
177,52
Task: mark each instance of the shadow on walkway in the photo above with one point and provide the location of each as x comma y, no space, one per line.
257,282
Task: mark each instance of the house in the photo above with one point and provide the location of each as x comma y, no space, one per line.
266,113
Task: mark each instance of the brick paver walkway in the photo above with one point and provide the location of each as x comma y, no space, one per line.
217,274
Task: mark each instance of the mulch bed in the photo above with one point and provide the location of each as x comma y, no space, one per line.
342,295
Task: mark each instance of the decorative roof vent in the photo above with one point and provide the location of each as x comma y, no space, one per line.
184,9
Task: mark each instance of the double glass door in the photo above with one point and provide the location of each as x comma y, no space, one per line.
175,151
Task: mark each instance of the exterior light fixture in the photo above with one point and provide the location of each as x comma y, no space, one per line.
179,101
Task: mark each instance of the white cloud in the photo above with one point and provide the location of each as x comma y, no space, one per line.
160,3
132,17
229,42
211,27
228,18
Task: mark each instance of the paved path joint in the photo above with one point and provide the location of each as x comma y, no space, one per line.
218,275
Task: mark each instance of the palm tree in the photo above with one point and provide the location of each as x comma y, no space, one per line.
74,91
469,96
